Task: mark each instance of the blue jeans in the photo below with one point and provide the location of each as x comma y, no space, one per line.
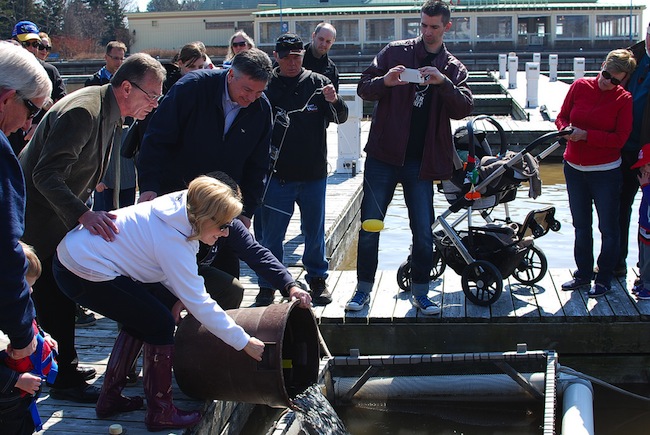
602,189
144,310
379,182
273,216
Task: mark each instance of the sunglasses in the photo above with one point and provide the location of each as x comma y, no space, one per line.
153,97
34,44
607,76
225,227
116,58
239,44
45,47
31,107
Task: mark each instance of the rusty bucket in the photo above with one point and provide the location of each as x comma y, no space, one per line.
207,368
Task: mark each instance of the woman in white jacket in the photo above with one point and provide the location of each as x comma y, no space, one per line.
142,279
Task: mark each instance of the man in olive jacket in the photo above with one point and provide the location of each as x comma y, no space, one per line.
63,163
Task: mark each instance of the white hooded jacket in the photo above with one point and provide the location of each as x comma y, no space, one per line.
152,247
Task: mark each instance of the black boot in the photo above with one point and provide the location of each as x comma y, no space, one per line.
111,401
161,412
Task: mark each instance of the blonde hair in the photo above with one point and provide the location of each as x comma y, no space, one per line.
34,266
249,43
209,199
620,61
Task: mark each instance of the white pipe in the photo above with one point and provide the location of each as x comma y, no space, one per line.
577,406
493,387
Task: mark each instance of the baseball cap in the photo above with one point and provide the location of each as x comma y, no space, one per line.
24,31
287,44
644,156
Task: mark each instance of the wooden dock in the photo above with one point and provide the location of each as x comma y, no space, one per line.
610,328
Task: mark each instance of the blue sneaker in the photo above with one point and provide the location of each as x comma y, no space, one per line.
598,290
575,284
425,305
642,293
358,301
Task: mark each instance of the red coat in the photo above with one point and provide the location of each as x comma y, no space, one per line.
605,115
391,118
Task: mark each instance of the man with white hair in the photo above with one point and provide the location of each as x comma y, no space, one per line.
24,88
63,163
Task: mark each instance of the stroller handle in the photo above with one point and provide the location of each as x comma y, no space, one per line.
560,135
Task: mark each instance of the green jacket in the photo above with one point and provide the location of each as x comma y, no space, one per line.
64,161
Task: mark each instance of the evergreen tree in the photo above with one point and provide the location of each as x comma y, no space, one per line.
163,6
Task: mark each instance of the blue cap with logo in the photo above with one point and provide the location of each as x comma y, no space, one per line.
25,31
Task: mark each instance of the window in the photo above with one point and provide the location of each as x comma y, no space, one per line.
615,26
212,25
304,29
380,30
572,26
154,23
411,28
459,31
493,28
269,32
346,30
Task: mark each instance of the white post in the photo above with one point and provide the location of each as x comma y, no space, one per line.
578,67
537,57
349,133
503,60
578,409
513,64
552,67
532,84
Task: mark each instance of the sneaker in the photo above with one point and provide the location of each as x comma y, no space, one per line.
598,290
265,297
425,305
83,318
358,301
319,293
643,293
575,283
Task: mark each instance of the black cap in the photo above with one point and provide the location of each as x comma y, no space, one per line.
287,44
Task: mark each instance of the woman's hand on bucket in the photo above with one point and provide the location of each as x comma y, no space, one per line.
296,292
254,348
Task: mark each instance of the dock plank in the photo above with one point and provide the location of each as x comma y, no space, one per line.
453,297
385,295
572,304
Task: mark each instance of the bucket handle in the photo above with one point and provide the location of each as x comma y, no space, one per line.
269,356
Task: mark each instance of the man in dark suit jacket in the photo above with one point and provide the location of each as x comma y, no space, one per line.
63,163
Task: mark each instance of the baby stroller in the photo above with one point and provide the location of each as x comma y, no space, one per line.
485,255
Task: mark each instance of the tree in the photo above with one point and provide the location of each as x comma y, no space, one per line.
163,6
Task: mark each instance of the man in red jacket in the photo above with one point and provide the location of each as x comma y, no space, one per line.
410,143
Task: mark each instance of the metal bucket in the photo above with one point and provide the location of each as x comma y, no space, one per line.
207,368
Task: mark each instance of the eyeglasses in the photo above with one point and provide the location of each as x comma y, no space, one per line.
239,44
153,97
45,47
31,107
34,44
608,76
225,227
115,58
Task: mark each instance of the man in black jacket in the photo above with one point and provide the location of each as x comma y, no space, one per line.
304,103
212,120
316,53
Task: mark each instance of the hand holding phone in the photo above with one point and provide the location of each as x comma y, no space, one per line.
411,75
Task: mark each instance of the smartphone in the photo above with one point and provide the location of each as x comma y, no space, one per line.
411,75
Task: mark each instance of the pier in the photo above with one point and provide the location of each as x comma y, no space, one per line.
606,337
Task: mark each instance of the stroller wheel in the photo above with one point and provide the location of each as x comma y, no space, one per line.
404,275
438,265
482,282
404,271
532,268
